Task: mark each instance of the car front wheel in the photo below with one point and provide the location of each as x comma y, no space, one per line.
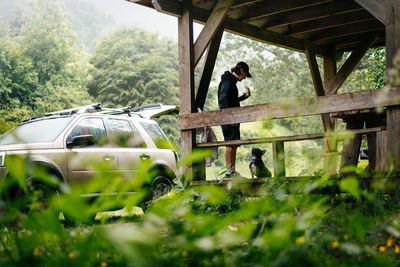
160,186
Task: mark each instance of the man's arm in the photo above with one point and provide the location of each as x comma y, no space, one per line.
245,95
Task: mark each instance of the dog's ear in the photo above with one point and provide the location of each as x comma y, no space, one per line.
263,152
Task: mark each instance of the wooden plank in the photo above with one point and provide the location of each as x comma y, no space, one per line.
393,134
375,7
311,13
267,8
349,65
345,30
393,48
317,81
315,74
174,7
354,39
351,150
328,22
330,162
278,157
186,78
243,3
381,150
339,135
208,67
214,22
293,108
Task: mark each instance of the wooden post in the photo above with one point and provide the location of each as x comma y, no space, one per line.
278,154
381,150
186,78
392,48
330,145
208,67
351,150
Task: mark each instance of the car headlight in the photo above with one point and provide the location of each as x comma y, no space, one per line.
2,156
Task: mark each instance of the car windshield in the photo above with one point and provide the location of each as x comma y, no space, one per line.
41,131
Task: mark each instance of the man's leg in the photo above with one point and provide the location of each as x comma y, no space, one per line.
228,157
233,159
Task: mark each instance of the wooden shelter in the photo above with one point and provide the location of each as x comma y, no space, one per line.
320,28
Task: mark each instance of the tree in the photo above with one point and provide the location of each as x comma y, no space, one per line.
42,68
132,68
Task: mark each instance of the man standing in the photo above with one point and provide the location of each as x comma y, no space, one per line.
228,97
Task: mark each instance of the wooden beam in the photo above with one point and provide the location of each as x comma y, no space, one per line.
351,148
293,108
214,22
328,22
315,74
354,39
278,155
349,66
174,7
340,135
392,49
243,3
208,67
311,13
186,77
354,28
317,81
375,7
267,8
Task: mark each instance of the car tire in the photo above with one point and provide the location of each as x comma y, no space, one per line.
42,192
160,186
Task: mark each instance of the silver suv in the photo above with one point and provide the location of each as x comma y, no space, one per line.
67,141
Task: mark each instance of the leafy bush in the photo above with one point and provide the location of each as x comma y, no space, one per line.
284,223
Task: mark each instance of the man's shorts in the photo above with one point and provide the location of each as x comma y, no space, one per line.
231,132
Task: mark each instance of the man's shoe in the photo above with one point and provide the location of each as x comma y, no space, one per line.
235,174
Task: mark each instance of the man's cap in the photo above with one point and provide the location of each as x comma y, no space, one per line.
245,67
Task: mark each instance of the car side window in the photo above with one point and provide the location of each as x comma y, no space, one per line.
123,134
156,134
90,126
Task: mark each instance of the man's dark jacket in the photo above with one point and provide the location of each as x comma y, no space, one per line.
228,92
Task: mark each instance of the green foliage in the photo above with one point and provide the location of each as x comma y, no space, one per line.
41,67
133,68
283,224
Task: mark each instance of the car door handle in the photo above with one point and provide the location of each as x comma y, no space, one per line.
108,158
144,157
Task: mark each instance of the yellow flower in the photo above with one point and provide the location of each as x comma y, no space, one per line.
300,240
103,264
184,253
396,249
382,248
71,255
194,230
37,252
345,237
389,242
334,244
75,241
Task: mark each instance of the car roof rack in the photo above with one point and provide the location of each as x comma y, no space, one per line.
76,110
145,107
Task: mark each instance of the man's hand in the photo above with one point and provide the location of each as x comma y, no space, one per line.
248,93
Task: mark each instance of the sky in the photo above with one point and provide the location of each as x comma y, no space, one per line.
127,13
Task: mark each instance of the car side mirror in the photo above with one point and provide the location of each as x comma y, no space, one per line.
81,141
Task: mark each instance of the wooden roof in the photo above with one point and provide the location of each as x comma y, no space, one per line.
342,24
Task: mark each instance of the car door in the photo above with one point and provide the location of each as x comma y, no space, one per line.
129,144
88,160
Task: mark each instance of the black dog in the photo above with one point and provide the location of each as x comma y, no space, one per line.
257,166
